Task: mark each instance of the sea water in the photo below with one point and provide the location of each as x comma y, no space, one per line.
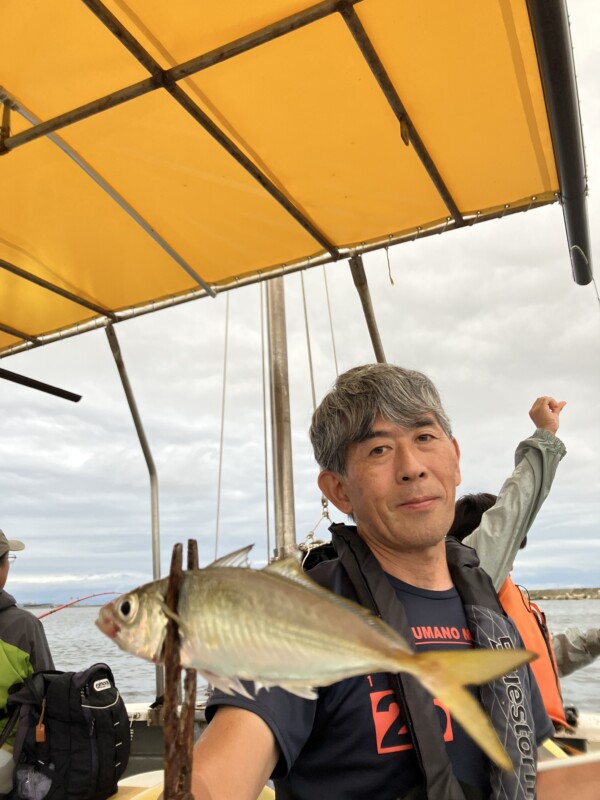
76,643
581,688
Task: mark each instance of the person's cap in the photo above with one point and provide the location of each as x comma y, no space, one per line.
9,544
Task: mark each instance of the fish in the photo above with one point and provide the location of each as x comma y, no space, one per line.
277,627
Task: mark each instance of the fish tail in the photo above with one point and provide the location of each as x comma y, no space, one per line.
445,674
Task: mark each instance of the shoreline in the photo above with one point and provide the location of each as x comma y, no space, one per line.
565,594
535,594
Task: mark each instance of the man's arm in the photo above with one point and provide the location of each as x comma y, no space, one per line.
234,757
575,649
505,525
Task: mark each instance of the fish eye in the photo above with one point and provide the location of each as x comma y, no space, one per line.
127,608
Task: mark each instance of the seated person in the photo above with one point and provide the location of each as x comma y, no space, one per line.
23,645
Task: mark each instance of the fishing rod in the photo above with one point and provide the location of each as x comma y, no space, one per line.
72,602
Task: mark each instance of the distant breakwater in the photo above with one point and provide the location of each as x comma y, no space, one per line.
564,594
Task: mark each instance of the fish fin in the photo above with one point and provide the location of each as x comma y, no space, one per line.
226,685
238,558
467,711
300,690
477,666
445,673
303,691
290,568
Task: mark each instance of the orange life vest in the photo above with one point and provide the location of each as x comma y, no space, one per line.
531,624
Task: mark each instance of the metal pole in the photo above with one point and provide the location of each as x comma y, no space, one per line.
362,287
285,528
118,357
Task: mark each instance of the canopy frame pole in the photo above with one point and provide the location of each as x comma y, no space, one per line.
408,130
281,431
193,109
362,287
51,287
265,276
137,421
121,201
550,26
18,334
160,77
32,383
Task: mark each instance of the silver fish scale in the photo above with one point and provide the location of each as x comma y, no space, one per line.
261,626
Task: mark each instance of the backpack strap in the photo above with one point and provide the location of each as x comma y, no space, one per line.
8,728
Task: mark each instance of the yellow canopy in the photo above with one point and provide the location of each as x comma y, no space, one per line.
152,152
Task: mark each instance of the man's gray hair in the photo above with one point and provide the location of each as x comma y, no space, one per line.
347,413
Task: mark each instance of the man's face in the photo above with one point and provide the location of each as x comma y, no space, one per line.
399,485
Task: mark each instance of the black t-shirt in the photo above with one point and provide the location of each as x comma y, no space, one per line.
437,621
351,743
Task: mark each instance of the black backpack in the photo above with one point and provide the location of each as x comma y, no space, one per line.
72,738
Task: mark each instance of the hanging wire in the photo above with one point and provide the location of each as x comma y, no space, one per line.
596,288
330,322
225,349
387,255
264,391
576,247
310,541
308,348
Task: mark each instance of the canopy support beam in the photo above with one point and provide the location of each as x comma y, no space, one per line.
31,383
137,421
261,276
550,25
162,77
121,201
51,287
362,287
18,334
408,130
167,79
283,479
177,93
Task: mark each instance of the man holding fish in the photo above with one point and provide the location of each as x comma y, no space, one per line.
388,459
392,719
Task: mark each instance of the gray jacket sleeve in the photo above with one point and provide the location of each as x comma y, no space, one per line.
40,656
505,525
575,649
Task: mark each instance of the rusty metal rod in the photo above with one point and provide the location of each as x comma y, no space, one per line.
172,750
178,723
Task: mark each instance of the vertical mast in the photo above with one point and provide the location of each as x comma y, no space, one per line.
285,528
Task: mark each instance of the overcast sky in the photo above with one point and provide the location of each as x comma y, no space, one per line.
491,314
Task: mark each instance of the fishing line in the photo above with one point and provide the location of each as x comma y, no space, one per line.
330,322
72,602
308,348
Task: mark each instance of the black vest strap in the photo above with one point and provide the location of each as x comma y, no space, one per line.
374,591
473,584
